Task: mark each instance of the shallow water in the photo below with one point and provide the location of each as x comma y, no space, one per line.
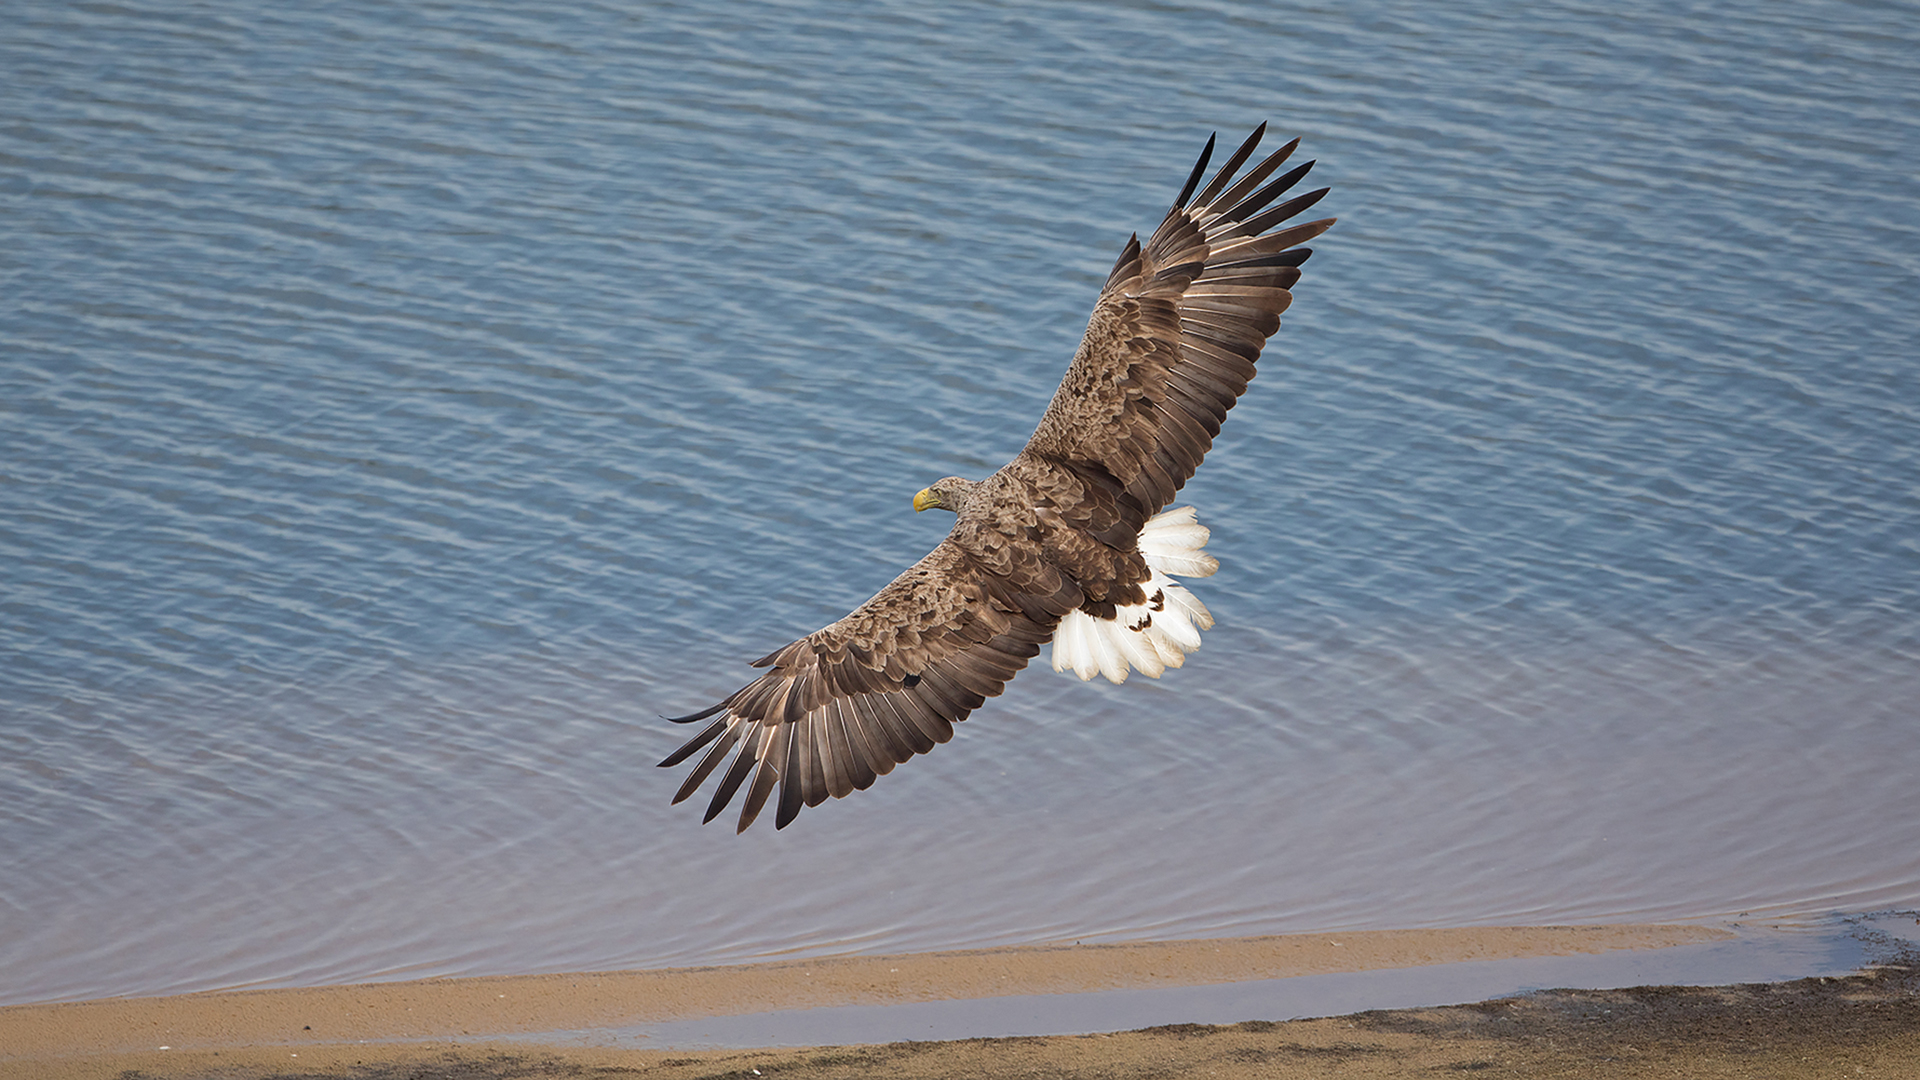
406,406
1756,955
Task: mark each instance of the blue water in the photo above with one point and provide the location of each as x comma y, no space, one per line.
403,406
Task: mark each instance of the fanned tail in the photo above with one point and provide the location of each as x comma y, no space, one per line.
1155,635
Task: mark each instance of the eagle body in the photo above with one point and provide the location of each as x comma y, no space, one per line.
1069,542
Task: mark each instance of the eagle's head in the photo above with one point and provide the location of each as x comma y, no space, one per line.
951,493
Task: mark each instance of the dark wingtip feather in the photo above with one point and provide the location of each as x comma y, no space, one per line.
1253,203
1262,222
744,762
701,715
1199,168
1225,176
1289,257
714,756
1244,186
695,743
790,790
763,781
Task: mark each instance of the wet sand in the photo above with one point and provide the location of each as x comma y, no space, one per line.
439,1028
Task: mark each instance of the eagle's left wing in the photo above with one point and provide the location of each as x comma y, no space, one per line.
1178,326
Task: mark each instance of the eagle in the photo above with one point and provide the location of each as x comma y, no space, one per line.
1069,542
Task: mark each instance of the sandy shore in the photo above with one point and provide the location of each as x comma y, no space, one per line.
437,1028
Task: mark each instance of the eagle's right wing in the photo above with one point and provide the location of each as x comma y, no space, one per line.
849,701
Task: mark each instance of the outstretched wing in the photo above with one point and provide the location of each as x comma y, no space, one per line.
1178,326
846,703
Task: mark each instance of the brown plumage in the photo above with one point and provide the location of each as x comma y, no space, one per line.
1170,347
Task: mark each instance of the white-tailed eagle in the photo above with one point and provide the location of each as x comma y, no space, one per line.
1067,542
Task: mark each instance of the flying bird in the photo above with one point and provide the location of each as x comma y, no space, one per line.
1069,542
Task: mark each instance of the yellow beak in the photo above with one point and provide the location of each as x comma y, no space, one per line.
926,500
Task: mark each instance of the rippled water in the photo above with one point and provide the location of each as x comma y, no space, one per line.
406,405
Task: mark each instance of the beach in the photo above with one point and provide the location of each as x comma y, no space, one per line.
544,1025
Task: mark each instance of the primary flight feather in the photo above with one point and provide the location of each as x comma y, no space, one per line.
1066,543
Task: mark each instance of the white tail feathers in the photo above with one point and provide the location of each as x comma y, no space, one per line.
1171,542
1155,635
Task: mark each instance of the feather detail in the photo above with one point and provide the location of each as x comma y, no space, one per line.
1151,637
1171,542
1157,633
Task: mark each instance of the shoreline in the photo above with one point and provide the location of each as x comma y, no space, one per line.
1867,1023
529,1004
111,1036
